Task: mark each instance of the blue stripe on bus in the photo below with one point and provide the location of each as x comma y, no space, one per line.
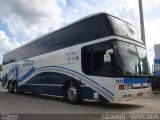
135,80
17,73
32,70
49,78
157,61
87,92
82,76
156,73
72,71
52,90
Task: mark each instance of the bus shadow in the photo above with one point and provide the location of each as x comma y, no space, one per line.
95,104
44,97
114,106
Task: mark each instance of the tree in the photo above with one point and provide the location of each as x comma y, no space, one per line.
0,67
0,73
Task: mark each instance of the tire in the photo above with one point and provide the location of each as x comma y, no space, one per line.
10,87
15,88
72,93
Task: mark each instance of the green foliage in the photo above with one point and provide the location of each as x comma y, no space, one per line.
0,67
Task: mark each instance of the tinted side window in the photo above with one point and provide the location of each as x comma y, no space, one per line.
5,59
27,51
51,42
83,31
9,57
12,56
23,52
98,59
92,28
19,54
36,48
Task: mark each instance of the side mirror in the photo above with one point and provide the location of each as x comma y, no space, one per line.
107,56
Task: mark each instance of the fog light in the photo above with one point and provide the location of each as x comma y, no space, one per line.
124,96
129,95
130,86
139,94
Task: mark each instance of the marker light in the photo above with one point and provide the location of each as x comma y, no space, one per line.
121,87
125,87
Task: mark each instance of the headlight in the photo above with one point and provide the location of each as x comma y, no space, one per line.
125,87
130,86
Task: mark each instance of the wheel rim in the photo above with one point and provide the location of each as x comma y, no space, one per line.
72,93
15,88
10,87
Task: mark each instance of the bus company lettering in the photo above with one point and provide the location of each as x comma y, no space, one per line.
72,56
28,62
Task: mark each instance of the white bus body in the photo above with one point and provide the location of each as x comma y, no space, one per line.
61,73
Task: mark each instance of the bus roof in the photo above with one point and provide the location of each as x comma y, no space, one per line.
83,18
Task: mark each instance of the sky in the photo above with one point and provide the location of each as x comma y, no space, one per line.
23,20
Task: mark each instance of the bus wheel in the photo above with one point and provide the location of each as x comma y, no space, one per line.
72,93
10,87
15,88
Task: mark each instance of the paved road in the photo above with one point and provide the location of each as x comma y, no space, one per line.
33,104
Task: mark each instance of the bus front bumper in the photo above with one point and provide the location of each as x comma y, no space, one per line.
125,95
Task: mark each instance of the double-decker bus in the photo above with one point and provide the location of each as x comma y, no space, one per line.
99,57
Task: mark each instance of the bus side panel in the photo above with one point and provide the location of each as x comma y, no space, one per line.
88,93
63,62
10,72
5,69
46,83
41,89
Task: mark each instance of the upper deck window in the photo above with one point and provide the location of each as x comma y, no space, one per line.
123,28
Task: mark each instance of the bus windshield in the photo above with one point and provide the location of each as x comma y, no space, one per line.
123,28
131,59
